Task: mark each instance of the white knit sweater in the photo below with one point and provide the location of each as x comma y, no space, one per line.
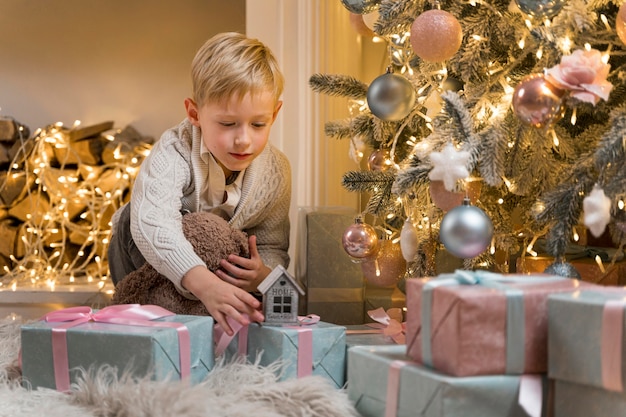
170,180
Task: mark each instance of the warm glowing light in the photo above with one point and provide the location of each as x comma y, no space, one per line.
69,193
600,264
555,139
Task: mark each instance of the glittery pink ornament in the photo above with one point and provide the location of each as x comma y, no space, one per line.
436,35
386,269
447,200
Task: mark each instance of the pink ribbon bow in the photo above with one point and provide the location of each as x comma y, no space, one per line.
123,314
390,322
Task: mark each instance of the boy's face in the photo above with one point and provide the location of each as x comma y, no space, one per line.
235,132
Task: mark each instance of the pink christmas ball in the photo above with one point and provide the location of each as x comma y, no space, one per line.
436,35
379,160
447,200
360,241
358,24
386,269
537,102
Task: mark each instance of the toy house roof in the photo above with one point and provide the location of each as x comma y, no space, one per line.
276,274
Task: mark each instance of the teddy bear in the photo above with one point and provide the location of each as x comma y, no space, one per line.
212,238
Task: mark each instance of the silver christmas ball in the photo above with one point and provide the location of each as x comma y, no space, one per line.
360,241
542,9
360,6
466,230
391,97
562,269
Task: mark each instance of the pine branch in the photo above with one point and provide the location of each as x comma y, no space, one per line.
396,16
493,150
611,147
411,178
338,85
378,183
563,206
463,129
338,129
367,181
379,203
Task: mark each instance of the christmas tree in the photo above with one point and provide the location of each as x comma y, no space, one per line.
513,110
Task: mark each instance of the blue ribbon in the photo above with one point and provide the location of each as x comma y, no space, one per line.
515,326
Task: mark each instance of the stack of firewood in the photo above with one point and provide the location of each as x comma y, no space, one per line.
58,191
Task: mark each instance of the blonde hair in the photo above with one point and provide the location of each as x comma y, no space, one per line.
231,64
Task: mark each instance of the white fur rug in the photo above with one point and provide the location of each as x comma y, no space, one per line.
230,390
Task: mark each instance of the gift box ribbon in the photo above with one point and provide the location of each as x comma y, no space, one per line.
389,323
515,326
305,341
611,338
530,396
123,314
611,347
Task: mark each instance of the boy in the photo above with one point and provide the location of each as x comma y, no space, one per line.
218,159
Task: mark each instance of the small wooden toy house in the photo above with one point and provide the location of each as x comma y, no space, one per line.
281,294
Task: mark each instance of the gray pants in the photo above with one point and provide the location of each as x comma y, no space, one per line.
124,256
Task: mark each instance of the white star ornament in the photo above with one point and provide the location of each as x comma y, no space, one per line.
597,211
449,166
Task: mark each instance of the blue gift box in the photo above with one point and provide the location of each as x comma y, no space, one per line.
576,323
269,344
427,393
142,351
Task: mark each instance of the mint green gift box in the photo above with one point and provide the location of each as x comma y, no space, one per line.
575,323
577,400
268,344
427,393
364,335
143,351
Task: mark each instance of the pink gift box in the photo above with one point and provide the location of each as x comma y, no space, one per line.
481,323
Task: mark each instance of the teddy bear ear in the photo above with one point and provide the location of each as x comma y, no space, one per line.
242,242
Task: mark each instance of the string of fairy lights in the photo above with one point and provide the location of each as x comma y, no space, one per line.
64,233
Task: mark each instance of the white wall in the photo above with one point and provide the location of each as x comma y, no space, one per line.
96,60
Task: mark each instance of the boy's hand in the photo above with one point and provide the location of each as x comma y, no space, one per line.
222,299
242,272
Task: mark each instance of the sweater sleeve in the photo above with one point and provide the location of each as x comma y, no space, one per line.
156,219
